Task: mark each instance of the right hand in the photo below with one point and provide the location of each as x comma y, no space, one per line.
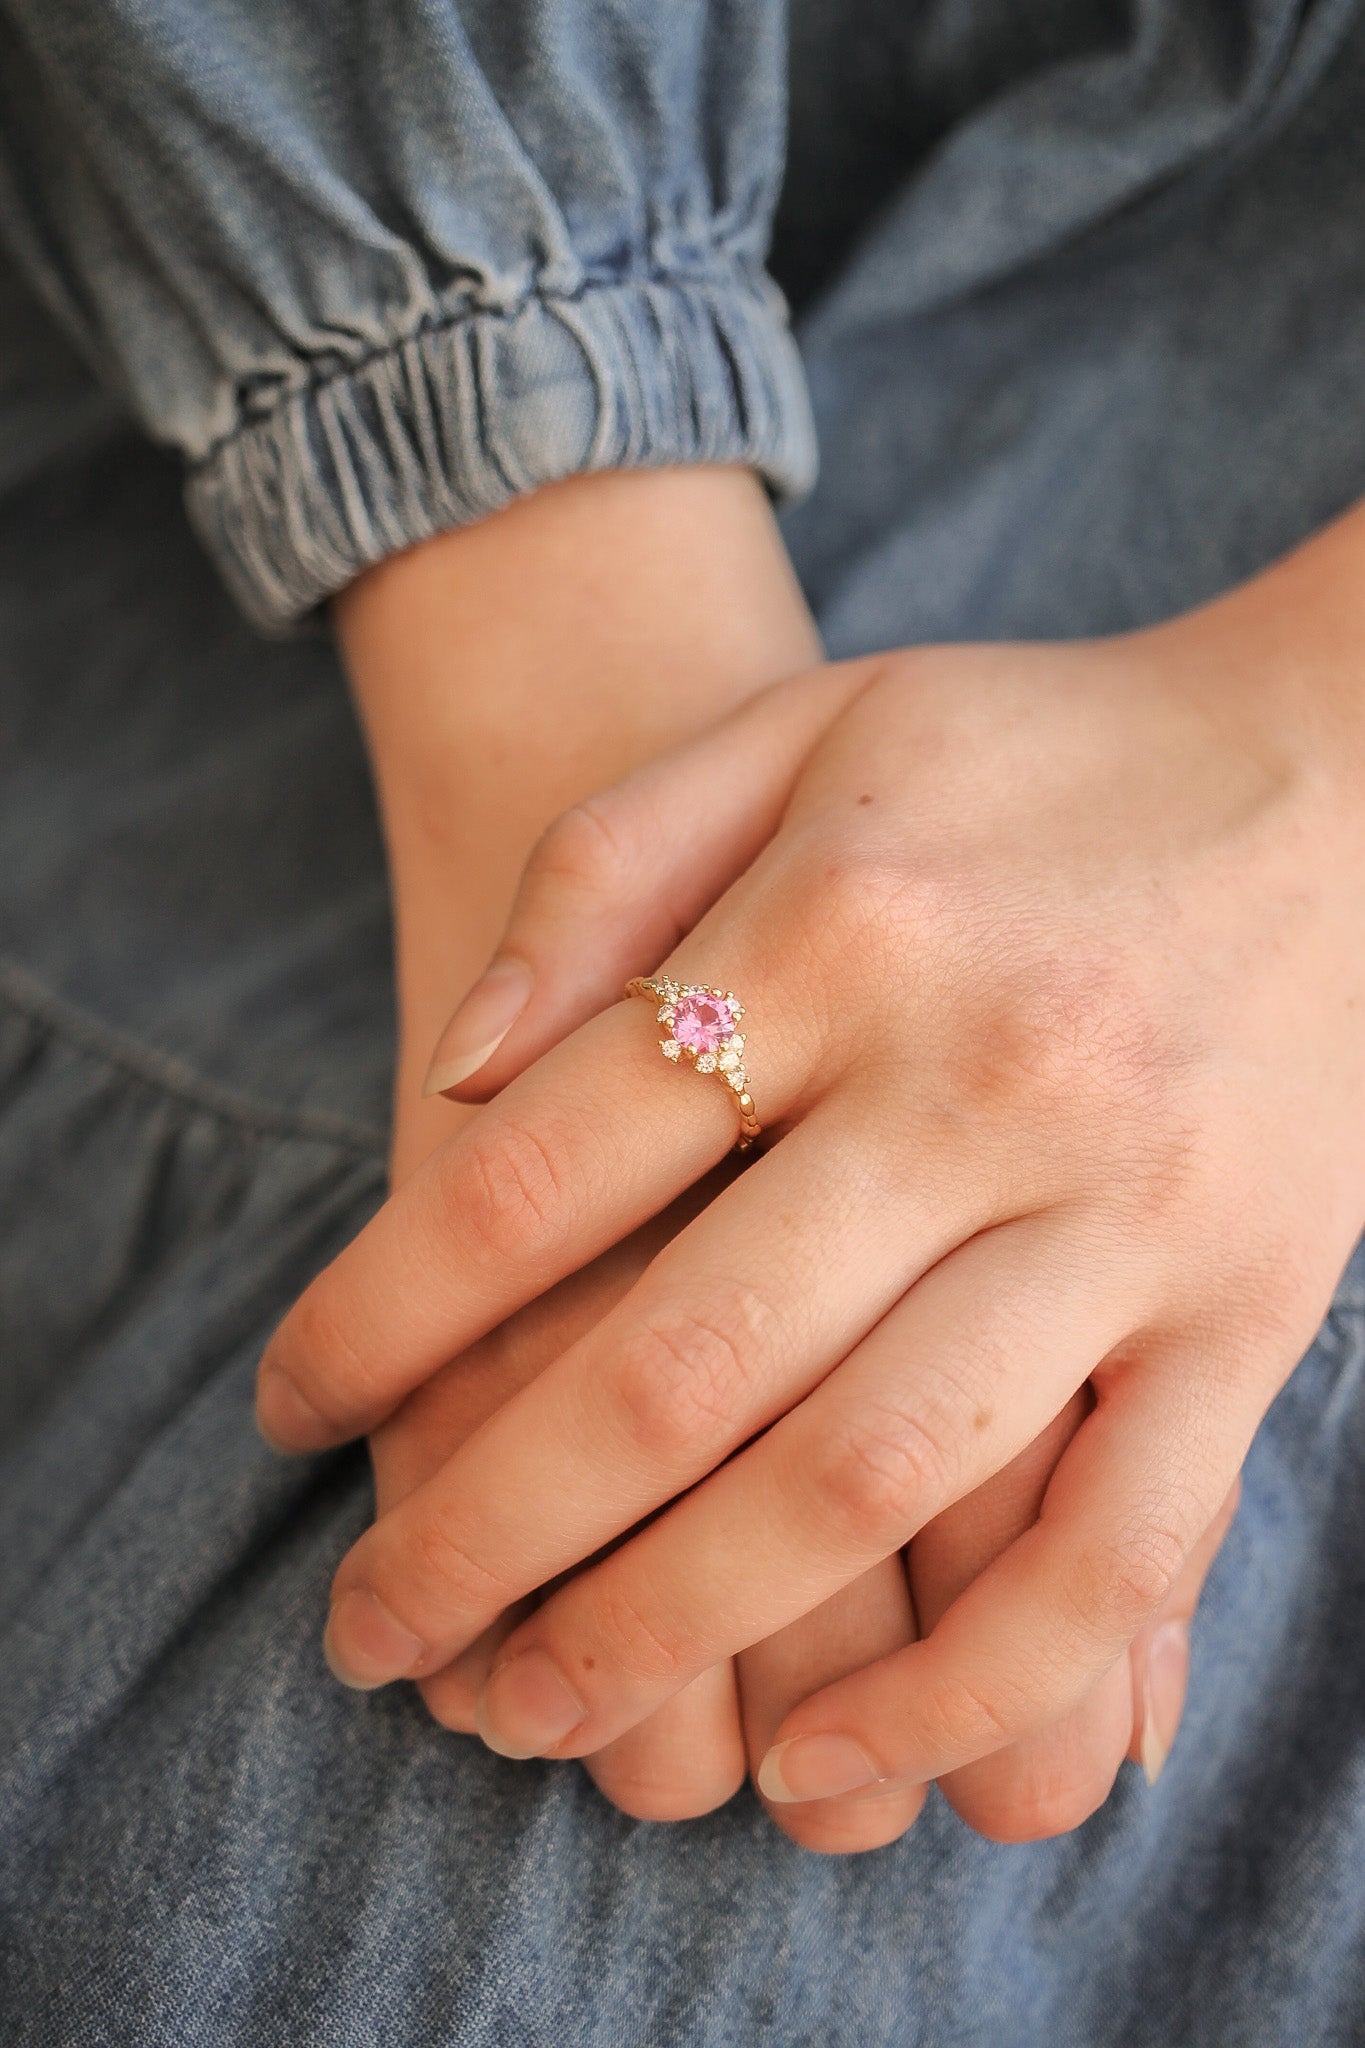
693,1753
1142,701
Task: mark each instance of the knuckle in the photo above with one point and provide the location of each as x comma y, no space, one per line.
683,1378
321,1355
1058,1037
503,1191
634,1644
1113,1588
439,1565
868,904
878,1474
967,1720
1274,1296
585,850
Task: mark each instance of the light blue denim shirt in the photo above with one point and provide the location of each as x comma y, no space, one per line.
375,270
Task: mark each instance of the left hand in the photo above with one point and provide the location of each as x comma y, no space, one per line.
1058,952
691,1754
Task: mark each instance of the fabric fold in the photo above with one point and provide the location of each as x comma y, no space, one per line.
463,417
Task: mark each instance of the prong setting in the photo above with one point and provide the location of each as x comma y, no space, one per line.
701,1022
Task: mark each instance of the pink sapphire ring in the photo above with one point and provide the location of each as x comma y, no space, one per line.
703,1027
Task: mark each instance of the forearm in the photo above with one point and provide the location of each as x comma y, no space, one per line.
505,671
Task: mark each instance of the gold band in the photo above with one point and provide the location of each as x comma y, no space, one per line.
701,1029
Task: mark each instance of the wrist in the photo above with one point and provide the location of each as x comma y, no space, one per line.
1286,650
506,671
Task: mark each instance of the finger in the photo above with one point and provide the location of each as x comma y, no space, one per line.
683,1761
1132,1497
451,1694
617,881
864,1621
444,1412
956,1546
951,1385
687,1759
718,1339
1050,1782
1159,1661
575,1155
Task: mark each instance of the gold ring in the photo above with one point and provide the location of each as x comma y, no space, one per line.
702,1028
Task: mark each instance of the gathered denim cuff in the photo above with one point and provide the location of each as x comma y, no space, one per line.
465,416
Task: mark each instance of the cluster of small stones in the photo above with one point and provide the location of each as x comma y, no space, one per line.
724,1057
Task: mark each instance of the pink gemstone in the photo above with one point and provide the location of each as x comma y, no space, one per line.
703,1022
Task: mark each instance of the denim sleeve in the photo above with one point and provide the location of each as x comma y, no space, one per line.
378,266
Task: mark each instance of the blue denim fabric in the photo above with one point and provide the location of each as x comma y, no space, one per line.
1083,313
375,270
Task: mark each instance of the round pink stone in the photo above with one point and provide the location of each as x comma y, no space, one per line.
703,1022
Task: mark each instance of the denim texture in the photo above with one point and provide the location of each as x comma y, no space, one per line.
1082,310
377,269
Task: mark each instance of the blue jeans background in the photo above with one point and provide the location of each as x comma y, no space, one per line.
1052,412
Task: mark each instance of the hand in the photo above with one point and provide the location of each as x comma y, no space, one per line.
484,717
1063,1047
661,599
690,1755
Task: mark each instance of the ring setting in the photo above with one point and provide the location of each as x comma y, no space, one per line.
703,1030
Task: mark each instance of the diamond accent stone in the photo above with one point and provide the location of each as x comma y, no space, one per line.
739,1080
727,1061
706,1063
666,1014
670,1048
704,1022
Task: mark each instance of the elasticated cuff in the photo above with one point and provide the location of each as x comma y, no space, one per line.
463,417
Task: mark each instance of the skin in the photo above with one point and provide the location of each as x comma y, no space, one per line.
459,825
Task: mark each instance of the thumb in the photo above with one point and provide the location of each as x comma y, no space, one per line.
617,881
1160,1655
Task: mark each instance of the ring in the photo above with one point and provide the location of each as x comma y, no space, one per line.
701,1028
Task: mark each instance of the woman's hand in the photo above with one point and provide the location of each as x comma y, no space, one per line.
1052,971
660,600
500,672
691,1754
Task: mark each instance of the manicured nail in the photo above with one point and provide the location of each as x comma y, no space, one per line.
480,1025
286,1418
1163,1694
364,1644
815,1767
527,1706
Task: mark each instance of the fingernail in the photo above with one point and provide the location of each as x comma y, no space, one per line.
480,1025
1163,1694
286,1418
815,1767
364,1644
527,1706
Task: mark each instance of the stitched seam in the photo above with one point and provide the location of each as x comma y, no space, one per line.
22,993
